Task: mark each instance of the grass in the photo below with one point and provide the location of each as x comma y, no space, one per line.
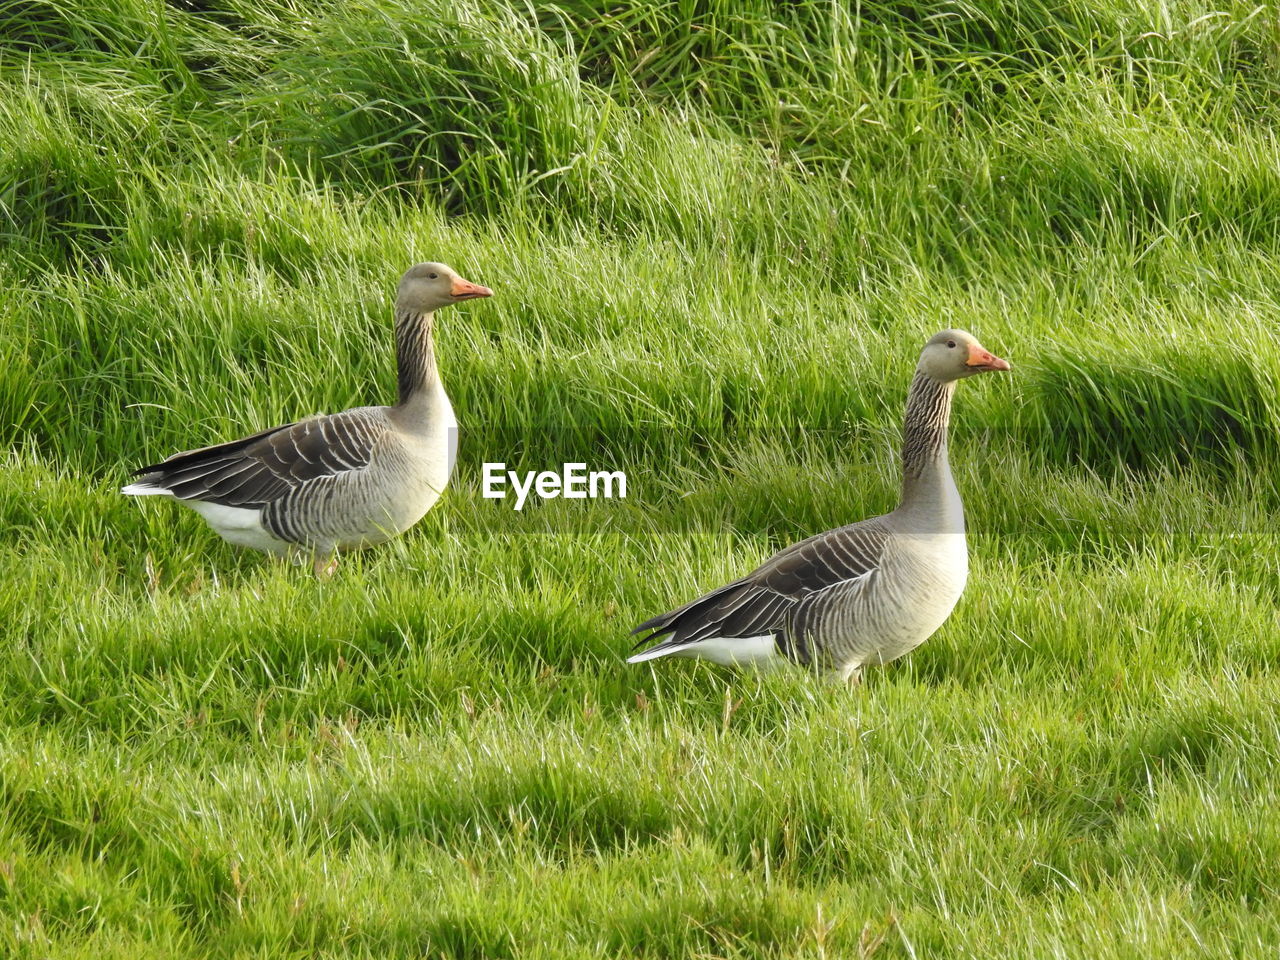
718,234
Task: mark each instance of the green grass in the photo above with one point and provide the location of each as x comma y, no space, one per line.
718,234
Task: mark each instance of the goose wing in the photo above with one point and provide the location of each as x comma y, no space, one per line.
256,470
764,601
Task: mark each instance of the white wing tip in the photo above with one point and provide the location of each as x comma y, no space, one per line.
727,651
651,654
144,490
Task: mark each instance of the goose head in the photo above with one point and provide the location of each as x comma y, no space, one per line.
429,286
956,354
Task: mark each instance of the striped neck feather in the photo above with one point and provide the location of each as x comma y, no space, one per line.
924,438
416,372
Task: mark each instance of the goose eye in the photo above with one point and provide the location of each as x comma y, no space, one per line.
436,276
951,344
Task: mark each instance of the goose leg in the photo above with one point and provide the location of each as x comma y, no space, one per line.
854,678
324,565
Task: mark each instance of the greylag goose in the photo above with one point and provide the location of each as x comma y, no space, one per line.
866,593
339,482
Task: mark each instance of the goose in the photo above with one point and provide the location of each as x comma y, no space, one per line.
865,593
339,482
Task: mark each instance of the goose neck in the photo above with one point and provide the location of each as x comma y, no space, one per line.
416,372
927,485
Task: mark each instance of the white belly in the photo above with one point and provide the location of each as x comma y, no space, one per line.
241,526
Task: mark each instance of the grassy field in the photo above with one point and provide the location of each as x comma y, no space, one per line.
718,234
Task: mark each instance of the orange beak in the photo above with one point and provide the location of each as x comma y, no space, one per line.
983,360
466,290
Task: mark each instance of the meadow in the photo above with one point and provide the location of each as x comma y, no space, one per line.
718,234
